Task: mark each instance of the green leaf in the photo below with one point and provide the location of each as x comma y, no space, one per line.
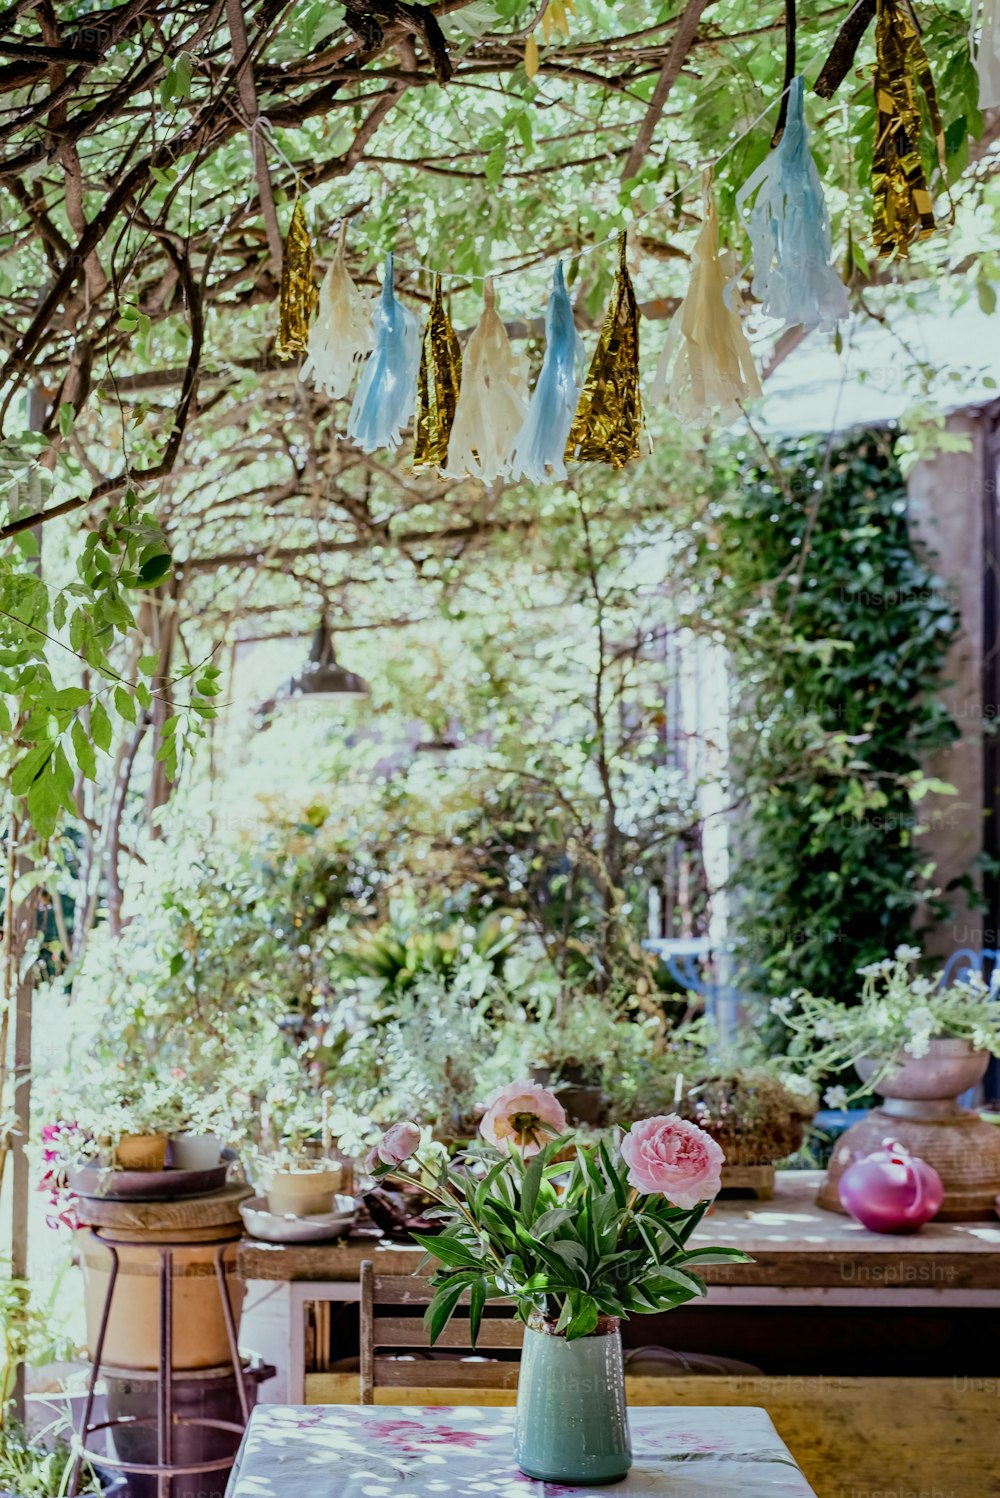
584,1318
442,1308
84,750
477,1299
149,663
100,725
154,571
125,704
28,769
43,804
531,1185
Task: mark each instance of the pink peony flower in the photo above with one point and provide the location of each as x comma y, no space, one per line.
670,1157
398,1143
525,1113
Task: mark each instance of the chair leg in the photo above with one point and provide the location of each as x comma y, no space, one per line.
227,1313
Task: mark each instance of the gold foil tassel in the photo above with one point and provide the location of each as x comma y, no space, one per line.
608,426
297,300
437,387
902,205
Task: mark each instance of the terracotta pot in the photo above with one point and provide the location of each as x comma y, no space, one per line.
133,1335
950,1067
302,1192
141,1152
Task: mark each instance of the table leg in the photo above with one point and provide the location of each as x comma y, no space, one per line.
164,1433
88,1408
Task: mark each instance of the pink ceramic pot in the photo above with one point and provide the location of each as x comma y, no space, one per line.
890,1191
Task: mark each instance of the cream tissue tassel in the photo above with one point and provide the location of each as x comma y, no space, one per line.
341,336
492,401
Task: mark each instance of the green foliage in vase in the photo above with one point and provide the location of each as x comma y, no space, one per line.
838,630
564,1236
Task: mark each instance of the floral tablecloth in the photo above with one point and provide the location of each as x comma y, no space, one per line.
379,1451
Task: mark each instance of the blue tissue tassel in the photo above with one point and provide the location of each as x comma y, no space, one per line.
789,230
540,446
386,396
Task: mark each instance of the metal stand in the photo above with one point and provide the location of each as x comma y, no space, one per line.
166,1421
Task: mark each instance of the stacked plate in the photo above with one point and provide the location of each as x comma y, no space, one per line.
272,1228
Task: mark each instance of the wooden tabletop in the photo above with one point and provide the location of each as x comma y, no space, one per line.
794,1244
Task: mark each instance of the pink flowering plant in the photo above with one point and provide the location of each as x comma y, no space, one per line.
570,1230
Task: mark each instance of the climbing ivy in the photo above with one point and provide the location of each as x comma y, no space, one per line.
837,632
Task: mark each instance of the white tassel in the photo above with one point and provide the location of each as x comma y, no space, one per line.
987,55
492,401
341,336
706,367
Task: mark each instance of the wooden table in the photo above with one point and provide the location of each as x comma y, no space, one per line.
319,1451
803,1256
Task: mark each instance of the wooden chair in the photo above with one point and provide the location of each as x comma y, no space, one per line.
392,1312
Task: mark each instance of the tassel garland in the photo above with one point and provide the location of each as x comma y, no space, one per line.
383,404
902,206
492,401
608,426
437,387
342,334
540,446
297,298
987,55
706,364
789,230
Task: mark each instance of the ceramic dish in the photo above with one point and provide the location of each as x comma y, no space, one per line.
260,1223
99,1182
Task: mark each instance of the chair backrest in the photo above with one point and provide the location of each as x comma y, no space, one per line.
392,1322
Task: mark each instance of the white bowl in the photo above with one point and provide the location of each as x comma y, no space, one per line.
272,1228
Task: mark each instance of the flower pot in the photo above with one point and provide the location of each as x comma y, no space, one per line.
949,1068
571,1425
200,1339
921,1111
141,1152
298,1191
195,1151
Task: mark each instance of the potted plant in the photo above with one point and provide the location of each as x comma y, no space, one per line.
908,1038
573,1046
297,1171
579,1235
195,1142
919,1046
756,1117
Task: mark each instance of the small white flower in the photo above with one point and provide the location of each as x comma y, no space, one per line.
905,953
781,1007
836,1097
825,1029
918,1019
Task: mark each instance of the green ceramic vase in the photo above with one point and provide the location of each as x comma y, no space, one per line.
571,1425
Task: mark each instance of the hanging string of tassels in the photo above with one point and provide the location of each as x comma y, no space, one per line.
383,405
479,419
986,56
789,230
902,205
342,334
492,401
706,367
608,425
437,387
